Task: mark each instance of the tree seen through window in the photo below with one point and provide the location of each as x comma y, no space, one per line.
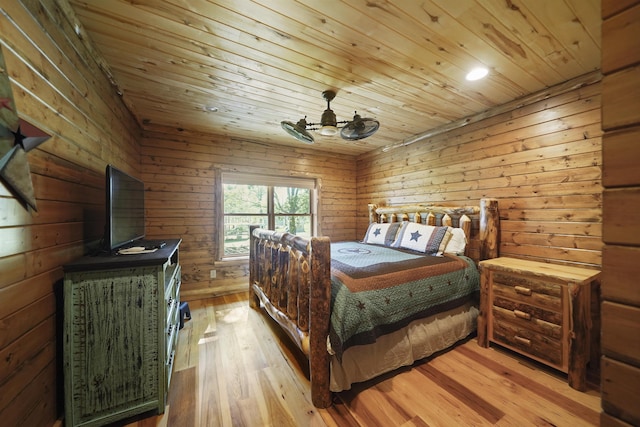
285,209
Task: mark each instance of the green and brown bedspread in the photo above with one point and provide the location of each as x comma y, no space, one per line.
377,290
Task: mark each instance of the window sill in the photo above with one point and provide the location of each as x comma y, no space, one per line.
230,261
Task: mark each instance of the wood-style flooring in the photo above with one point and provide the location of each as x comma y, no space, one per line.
234,368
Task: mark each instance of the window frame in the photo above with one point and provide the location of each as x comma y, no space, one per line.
270,181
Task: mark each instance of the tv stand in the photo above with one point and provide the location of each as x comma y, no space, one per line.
121,322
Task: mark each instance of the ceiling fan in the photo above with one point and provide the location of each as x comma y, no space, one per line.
358,128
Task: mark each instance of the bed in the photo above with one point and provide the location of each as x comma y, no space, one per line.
352,313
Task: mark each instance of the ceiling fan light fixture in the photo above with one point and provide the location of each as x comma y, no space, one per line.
358,128
328,130
328,122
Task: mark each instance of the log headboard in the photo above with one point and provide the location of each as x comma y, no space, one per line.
480,223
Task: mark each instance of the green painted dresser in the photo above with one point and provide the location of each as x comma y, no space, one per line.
121,321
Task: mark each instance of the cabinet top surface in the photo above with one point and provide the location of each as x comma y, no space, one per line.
107,261
541,269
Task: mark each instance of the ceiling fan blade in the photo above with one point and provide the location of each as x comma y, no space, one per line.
298,130
359,128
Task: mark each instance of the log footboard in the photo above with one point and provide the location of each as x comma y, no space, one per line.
291,277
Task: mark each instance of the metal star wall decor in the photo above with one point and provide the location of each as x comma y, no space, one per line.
16,138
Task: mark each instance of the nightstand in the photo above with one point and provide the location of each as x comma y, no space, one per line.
539,310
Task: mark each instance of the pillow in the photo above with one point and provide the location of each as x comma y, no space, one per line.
381,234
428,239
457,243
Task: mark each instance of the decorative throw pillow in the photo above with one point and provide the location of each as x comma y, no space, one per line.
381,234
428,239
457,243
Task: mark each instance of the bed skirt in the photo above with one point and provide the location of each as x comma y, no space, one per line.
416,341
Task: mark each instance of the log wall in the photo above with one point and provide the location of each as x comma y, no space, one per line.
542,161
58,87
182,172
621,206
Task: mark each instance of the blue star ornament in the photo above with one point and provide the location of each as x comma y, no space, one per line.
415,236
377,232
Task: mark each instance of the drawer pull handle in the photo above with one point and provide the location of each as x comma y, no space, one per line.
523,291
523,341
522,314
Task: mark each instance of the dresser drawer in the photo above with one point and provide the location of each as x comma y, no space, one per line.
528,311
528,290
528,341
523,319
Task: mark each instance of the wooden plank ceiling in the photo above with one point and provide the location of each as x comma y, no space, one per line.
401,62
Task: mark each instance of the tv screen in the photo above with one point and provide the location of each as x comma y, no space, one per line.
125,208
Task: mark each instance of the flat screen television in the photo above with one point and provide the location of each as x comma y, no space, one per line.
125,209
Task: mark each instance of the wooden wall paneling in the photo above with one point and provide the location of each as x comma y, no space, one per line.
619,273
15,356
621,225
67,78
612,7
35,412
620,387
57,86
23,320
542,161
538,145
188,165
620,324
620,33
620,100
620,291
620,154
529,127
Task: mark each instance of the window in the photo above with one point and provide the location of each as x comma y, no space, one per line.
282,204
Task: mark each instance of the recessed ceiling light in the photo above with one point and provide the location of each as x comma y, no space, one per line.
477,73
211,109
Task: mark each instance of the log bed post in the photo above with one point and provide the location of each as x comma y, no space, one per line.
319,321
489,220
253,266
373,216
489,241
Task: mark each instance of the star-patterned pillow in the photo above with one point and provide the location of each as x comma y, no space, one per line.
428,239
381,234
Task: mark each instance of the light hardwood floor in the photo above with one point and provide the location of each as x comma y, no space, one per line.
234,368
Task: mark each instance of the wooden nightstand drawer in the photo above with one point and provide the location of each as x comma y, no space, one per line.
542,293
540,310
525,320
528,341
528,310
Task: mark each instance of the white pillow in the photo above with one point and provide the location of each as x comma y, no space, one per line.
457,243
428,239
381,234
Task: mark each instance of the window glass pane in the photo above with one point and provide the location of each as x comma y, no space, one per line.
243,198
281,203
291,200
236,232
294,224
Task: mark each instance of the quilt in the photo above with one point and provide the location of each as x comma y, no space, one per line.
376,290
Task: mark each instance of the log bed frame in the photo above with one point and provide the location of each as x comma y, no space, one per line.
290,276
